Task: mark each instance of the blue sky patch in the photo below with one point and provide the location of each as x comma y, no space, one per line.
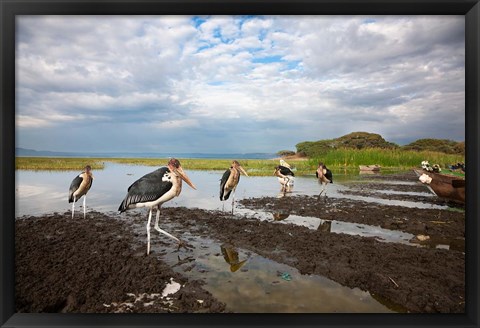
267,59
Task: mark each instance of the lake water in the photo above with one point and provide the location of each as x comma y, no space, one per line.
254,288
39,192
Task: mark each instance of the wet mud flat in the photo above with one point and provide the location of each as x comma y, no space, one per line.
436,223
95,265
99,264
404,277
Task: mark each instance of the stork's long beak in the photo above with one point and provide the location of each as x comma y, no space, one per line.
242,170
184,177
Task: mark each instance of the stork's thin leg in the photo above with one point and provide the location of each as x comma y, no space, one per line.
73,205
324,189
148,230
321,191
162,231
157,218
84,206
233,199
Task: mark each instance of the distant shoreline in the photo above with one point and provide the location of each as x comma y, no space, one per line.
22,152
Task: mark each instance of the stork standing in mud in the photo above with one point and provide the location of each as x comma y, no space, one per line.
285,176
154,189
79,187
324,176
229,181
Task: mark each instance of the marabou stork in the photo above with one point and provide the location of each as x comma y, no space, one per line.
79,187
285,177
154,189
324,176
229,181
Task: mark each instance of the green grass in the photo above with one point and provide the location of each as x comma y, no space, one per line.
392,158
57,163
341,159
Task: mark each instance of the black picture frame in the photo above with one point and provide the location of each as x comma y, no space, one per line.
10,8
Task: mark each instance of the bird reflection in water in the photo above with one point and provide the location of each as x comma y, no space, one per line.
280,216
283,193
325,226
230,254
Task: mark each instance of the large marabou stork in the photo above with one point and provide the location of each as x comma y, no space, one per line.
79,187
229,181
285,177
154,189
324,176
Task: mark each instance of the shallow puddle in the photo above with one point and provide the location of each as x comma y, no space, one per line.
349,228
250,283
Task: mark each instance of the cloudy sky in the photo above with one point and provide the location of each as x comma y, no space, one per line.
230,84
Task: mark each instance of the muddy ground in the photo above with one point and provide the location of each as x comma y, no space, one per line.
95,265
99,264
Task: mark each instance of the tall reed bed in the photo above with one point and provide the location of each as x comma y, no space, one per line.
388,158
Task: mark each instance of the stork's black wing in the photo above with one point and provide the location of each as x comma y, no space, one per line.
77,181
329,175
223,181
147,188
286,171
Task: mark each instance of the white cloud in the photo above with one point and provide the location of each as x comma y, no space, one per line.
24,121
345,73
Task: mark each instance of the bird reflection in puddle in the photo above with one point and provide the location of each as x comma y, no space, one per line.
230,254
325,226
283,193
279,216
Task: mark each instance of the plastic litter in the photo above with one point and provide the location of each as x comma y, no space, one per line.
171,288
285,276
